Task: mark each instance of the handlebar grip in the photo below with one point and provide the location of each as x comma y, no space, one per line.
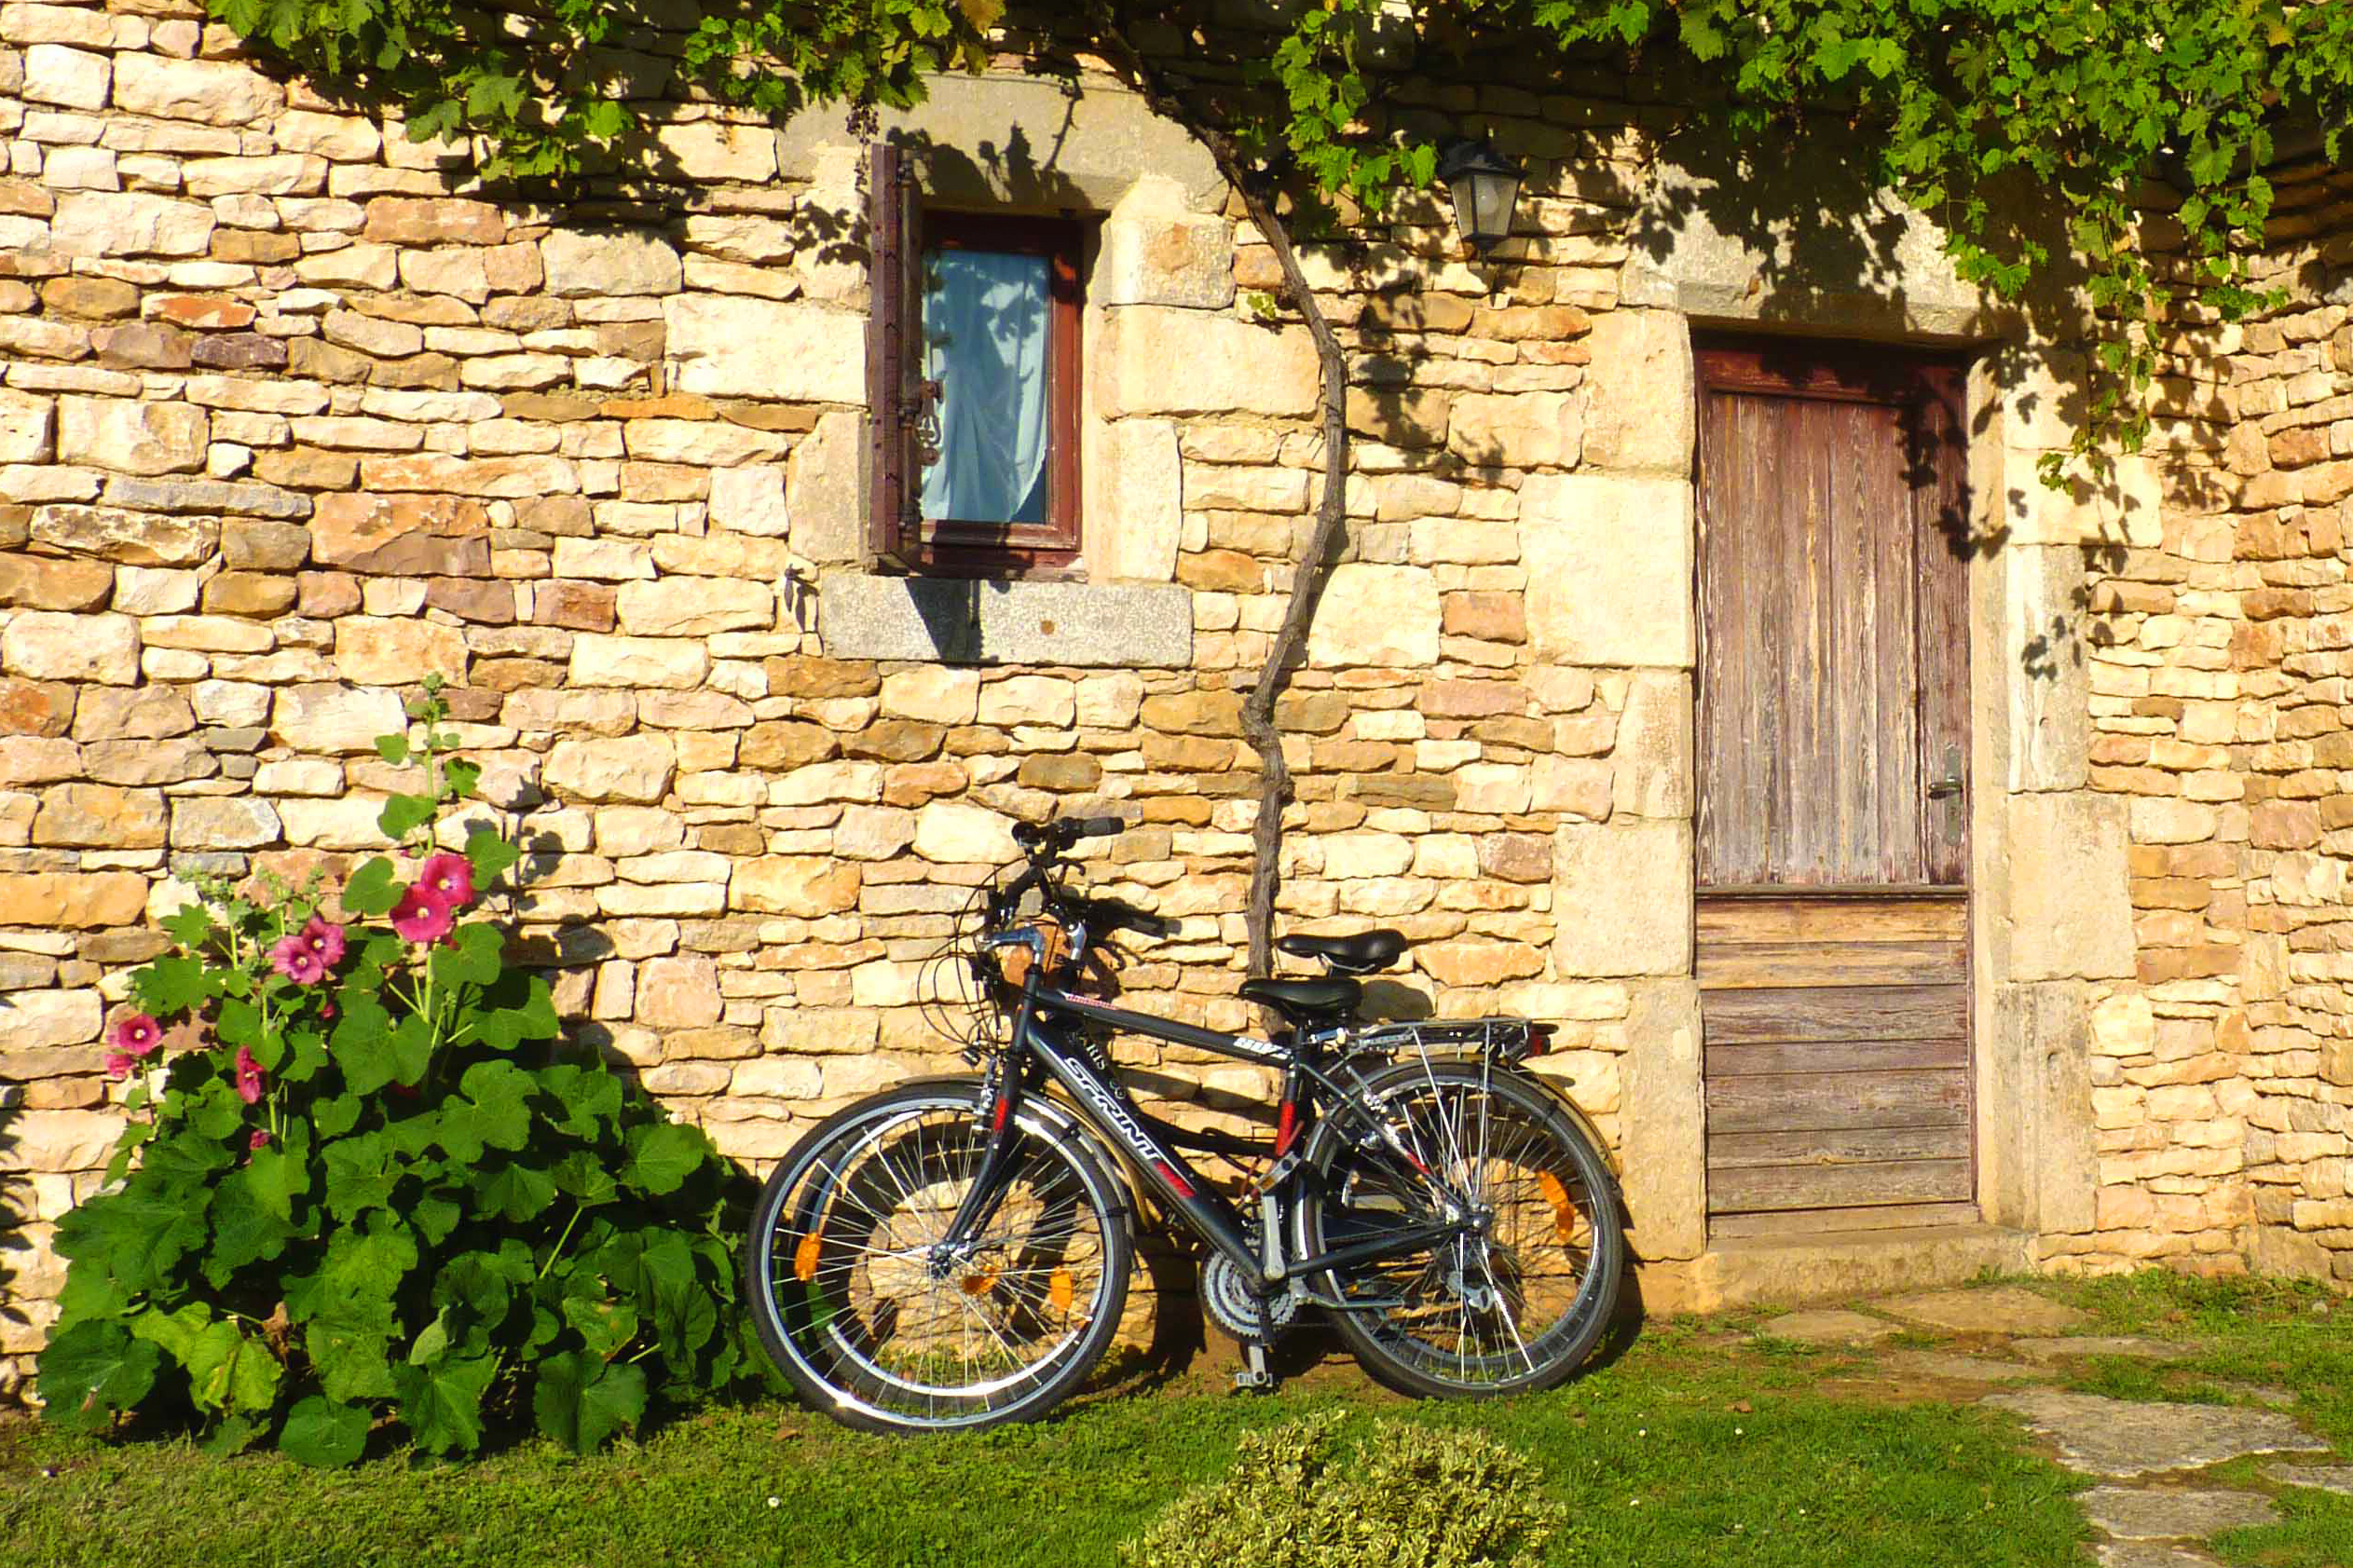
1097,827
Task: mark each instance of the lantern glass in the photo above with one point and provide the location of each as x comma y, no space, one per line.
1485,186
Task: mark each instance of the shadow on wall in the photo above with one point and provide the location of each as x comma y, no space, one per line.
17,1208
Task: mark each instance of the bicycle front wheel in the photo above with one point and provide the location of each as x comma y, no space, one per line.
883,1328
1519,1299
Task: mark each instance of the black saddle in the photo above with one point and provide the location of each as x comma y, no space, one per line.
1359,954
1305,1002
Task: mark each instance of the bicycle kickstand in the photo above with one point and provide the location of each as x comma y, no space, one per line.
1254,1377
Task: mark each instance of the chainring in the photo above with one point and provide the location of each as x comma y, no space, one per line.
1237,1310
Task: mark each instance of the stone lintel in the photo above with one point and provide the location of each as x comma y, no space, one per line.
954,621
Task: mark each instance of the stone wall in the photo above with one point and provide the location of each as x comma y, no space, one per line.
291,417
2217,661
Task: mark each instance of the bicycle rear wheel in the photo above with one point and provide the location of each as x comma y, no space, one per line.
1519,1301
881,1329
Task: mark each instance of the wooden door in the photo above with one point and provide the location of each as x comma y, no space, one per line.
1833,826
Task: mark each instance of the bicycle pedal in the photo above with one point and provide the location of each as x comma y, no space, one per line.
1254,1378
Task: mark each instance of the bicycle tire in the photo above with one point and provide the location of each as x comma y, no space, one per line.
1518,1307
853,1310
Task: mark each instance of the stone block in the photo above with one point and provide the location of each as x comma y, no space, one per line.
403,536
2125,505
1662,1144
90,816
73,901
142,438
45,645
1156,252
210,92
933,694
39,583
36,1020
1622,899
701,150
613,660
608,263
694,606
1641,418
637,768
2049,695
1138,501
750,500
679,991
956,832
1609,568
128,224
381,650
131,538
1158,360
2071,915
1652,762
230,823
1376,616
335,719
826,497
807,886
28,428
69,77
1516,429
733,346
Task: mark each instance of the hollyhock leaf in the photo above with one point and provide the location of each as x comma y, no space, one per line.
664,1154
501,1094
190,926
460,1133
460,778
216,1111
582,1178
352,1354
581,1402
431,1342
476,956
244,1232
392,748
306,1054
92,1369
370,889
230,1371
368,1265
334,1117
411,1041
589,1095
442,1404
359,1176
173,984
324,1434
173,1332
403,815
683,1313
240,1023
360,1043
518,1191
604,1326
232,1438
490,854
435,1218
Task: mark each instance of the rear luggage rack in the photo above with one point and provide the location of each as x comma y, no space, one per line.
1508,1040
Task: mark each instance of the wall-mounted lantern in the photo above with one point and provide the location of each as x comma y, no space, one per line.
1486,184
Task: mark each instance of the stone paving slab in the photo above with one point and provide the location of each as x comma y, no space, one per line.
2146,1554
2121,1438
1830,1328
2008,1310
1956,1368
2328,1477
2171,1513
2104,1345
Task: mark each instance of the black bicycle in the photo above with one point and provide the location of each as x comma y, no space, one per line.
954,1252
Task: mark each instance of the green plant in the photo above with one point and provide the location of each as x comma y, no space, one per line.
1408,1497
369,1182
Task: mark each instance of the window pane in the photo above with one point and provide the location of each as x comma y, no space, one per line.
984,342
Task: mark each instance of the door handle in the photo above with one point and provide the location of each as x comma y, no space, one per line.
1939,788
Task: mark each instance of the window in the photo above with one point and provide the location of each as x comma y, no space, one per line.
973,384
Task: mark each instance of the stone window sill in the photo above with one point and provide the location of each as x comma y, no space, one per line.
1000,621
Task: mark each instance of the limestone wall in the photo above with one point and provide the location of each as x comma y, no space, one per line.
2217,661
290,417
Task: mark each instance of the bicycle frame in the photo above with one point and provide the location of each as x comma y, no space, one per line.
1105,1107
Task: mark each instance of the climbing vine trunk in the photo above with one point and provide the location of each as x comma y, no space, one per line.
1312,567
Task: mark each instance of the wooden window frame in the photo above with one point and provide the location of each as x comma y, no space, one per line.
899,398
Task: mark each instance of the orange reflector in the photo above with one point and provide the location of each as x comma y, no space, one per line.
981,1284
1058,1290
804,1259
1564,1213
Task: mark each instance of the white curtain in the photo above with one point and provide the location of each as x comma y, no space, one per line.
984,342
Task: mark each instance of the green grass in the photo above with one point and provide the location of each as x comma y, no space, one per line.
1677,1454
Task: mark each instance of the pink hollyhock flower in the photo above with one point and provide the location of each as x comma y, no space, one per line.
447,879
417,918
118,1064
249,1076
297,961
323,940
259,1140
138,1035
